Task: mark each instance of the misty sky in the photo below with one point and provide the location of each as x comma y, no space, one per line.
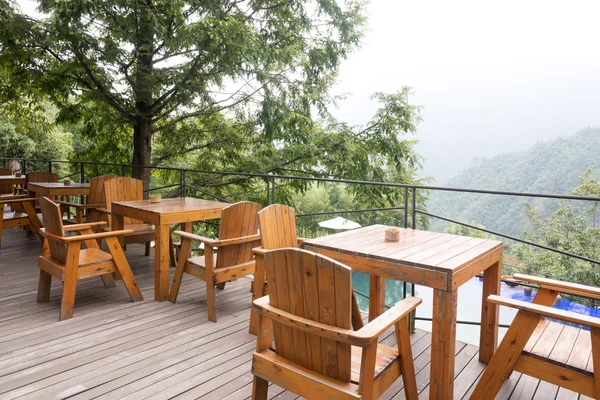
493,78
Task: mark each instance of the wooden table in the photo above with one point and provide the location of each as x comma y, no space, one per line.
438,260
12,180
40,189
169,211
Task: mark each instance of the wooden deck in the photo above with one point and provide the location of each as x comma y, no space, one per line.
113,348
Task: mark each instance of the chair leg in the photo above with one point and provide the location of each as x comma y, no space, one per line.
210,302
221,285
260,388
108,280
44,286
124,269
147,249
68,296
186,245
406,360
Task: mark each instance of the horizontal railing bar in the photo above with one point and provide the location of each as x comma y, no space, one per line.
349,211
461,322
162,187
208,193
541,246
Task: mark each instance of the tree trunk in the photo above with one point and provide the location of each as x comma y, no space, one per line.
142,151
142,135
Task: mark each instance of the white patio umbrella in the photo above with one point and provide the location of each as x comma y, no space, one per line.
339,223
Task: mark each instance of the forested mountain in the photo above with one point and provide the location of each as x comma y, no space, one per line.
548,167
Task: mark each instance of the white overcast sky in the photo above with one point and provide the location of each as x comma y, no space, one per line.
493,76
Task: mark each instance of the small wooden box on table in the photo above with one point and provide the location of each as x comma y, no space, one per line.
182,211
440,261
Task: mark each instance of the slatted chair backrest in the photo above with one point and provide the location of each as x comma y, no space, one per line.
123,188
54,225
6,189
238,220
317,288
277,227
97,195
41,177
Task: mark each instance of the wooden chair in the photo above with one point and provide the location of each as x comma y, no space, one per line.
64,258
512,354
317,354
96,199
122,188
22,214
238,234
277,231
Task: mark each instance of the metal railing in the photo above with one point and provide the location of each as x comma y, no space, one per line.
408,191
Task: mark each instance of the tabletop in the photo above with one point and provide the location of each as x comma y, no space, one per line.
169,211
12,180
54,185
446,255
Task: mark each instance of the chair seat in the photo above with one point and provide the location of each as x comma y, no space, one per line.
14,215
385,357
199,261
88,257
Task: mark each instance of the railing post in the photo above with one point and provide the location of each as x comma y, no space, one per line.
414,208
183,184
406,207
24,166
81,172
49,166
268,183
123,171
273,189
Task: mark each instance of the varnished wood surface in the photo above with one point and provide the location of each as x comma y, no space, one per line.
118,349
422,249
12,180
167,209
58,189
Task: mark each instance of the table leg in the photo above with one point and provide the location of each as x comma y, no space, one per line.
443,343
488,337
117,223
161,262
376,296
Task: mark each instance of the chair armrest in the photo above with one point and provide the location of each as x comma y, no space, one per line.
81,238
77,205
562,287
80,227
198,238
546,311
375,328
13,200
104,211
259,250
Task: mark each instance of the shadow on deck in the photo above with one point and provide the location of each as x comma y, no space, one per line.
113,348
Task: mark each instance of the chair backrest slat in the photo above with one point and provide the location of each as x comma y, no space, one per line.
317,288
277,227
123,188
54,225
238,220
97,195
5,189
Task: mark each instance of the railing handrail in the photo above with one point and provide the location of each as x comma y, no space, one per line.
323,179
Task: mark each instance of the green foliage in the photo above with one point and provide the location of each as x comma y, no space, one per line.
548,167
570,228
462,230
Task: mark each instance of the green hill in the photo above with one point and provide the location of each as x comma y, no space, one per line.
548,167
